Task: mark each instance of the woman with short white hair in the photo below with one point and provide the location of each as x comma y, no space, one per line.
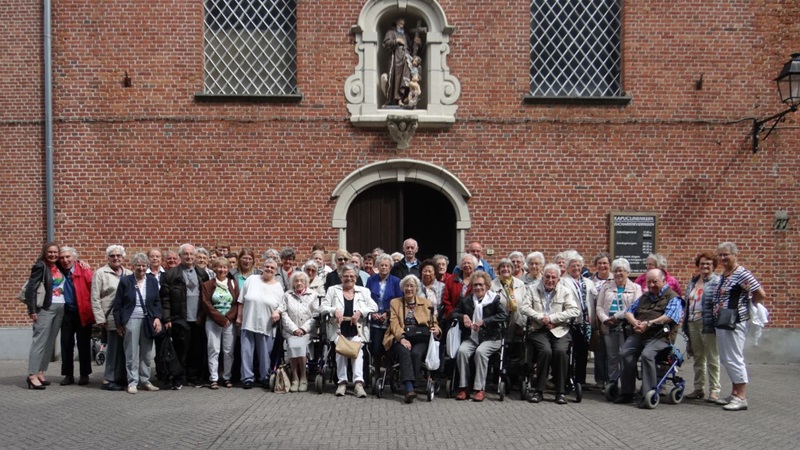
613,300
534,263
297,323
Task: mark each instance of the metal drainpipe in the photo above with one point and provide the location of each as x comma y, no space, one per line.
48,122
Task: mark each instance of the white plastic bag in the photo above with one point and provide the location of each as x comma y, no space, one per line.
432,359
453,341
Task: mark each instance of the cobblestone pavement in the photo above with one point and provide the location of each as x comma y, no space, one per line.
199,418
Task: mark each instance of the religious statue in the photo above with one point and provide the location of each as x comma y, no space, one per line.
401,84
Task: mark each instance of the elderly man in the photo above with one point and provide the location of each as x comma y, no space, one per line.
548,308
172,259
476,249
78,317
180,300
155,269
652,316
584,293
409,265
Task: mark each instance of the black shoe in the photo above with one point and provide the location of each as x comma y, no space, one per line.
83,380
410,396
247,385
111,387
37,387
624,398
176,386
44,382
560,399
265,385
536,397
69,379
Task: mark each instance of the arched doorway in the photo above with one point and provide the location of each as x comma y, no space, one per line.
413,175
386,214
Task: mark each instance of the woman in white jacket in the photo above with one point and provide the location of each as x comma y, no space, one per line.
348,300
297,321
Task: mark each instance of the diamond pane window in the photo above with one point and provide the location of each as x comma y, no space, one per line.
575,48
250,47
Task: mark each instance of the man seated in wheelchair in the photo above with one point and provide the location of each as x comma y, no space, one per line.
549,307
653,318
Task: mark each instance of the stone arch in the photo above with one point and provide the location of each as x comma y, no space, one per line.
442,89
402,171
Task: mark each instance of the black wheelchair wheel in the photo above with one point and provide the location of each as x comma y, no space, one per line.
578,393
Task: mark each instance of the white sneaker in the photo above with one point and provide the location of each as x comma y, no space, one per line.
359,391
736,404
150,387
132,390
341,389
724,401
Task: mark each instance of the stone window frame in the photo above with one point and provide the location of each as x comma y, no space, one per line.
617,96
441,89
262,49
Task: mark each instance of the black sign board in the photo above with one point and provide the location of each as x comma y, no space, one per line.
633,237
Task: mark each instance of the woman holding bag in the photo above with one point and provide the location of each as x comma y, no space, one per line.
297,321
348,300
137,302
408,336
47,317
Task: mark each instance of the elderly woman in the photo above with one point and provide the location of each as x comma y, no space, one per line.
259,311
431,287
658,261
410,324
441,262
220,309
602,267
535,263
736,289
136,302
585,294
548,307
46,317
245,266
287,268
397,257
698,324
561,261
383,287
458,286
511,290
480,316
319,257
518,260
297,320
355,303
316,283
104,290
613,300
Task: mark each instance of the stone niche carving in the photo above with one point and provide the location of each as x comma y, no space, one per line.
440,90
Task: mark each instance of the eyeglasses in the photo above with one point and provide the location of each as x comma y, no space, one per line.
270,268
115,256
478,284
341,259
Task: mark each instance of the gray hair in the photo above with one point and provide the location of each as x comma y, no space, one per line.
69,249
505,262
438,256
487,279
184,248
111,248
347,267
534,255
140,258
472,258
203,251
516,255
310,263
621,263
287,253
295,275
729,246
552,266
271,253
398,254
409,279
271,260
572,255
383,256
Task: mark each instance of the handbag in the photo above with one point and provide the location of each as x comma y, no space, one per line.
347,348
727,318
170,364
432,358
39,294
416,334
453,341
282,381
149,328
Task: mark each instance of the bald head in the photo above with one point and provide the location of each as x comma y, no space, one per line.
655,281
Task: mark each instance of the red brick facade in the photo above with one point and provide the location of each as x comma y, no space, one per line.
150,165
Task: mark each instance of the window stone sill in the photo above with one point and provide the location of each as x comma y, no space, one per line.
586,101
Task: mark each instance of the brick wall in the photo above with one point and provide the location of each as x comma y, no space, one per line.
150,166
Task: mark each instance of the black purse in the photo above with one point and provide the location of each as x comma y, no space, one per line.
727,318
149,328
416,334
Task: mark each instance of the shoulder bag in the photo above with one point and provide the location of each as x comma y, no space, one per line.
727,318
39,294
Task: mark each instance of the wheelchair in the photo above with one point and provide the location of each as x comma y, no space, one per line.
496,369
571,386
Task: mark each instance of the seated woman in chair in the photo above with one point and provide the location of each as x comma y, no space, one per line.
409,319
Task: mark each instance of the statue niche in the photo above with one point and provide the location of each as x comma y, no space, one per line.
401,83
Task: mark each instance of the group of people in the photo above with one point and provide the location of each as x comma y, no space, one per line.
217,305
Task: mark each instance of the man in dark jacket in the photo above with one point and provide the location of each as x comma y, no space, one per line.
409,265
180,300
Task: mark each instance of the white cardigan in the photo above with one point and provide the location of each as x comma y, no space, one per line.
362,302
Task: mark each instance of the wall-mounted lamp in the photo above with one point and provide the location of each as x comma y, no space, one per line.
789,89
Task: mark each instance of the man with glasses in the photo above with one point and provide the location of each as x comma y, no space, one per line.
548,308
180,300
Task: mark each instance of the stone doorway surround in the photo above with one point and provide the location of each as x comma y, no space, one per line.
402,171
442,89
